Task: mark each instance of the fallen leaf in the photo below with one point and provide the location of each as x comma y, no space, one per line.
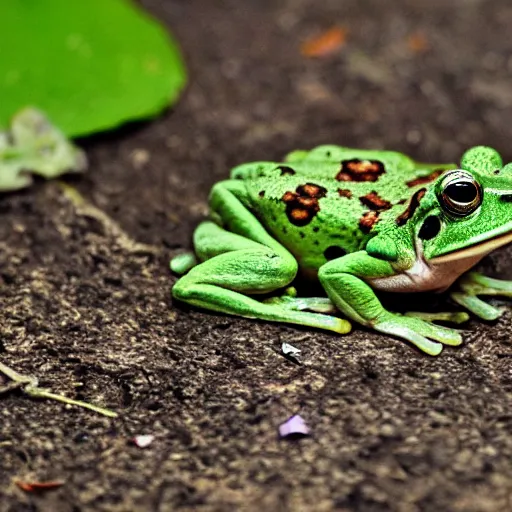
38,486
324,44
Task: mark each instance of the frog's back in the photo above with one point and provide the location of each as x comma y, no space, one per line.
327,202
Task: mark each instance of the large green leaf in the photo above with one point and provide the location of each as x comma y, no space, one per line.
89,64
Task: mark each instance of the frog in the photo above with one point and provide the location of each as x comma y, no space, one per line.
359,223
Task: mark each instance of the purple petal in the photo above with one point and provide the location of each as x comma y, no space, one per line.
294,426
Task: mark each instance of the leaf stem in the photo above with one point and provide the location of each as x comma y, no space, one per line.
29,385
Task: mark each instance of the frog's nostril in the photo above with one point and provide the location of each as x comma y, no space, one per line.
507,198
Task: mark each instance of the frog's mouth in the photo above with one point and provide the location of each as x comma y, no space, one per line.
474,251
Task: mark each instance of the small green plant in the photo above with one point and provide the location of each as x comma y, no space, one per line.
34,146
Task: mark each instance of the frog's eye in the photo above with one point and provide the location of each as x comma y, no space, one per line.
460,193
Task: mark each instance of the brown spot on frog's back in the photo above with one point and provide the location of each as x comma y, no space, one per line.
302,205
299,217
345,192
411,207
307,202
368,220
311,190
360,170
289,196
373,201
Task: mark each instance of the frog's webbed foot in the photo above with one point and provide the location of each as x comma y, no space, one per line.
473,284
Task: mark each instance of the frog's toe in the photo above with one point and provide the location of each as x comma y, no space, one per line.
473,284
401,331
459,317
315,304
477,306
182,263
342,326
444,334
426,336
454,317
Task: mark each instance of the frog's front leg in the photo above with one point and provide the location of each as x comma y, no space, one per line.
346,282
473,284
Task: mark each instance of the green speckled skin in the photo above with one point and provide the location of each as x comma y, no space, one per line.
337,222
358,221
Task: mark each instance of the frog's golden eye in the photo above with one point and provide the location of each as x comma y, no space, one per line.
460,194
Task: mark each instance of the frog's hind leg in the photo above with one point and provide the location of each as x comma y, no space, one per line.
234,266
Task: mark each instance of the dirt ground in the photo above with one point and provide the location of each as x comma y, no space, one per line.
85,303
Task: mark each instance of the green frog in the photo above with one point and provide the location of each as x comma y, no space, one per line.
358,222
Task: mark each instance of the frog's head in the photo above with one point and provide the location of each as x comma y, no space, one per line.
464,214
